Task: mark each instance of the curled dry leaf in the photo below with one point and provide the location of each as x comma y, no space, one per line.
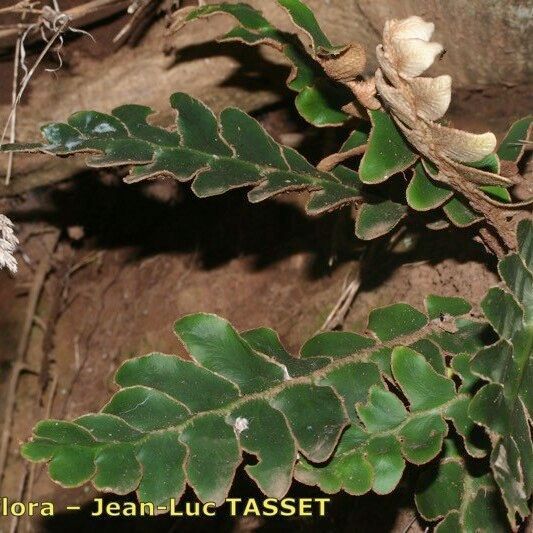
406,47
365,92
417,102
346,65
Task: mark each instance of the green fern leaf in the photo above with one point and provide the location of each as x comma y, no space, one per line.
319,99
374,220
372,453
505,405
217,154
303,17
460,494
460,214
423,193
245,392
388,152
512,147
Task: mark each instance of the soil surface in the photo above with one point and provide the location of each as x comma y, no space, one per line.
121,263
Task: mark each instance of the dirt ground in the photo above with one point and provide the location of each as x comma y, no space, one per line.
120,263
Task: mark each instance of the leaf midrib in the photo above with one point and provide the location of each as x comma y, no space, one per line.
266,394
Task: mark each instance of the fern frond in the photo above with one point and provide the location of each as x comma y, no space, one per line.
215,154
175,422
505,405
320,99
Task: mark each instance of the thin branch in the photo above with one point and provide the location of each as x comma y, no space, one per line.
331,161
23,483
27,78
40,276
20,364
14,108
81,15
339,312
16,370
24,6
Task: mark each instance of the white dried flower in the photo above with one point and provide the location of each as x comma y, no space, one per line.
417,102
8,245
406,46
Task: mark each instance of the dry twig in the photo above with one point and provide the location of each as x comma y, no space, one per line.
22,7
140,11
17,368
14,107
20,364
338,314
81,15
54,21
22,487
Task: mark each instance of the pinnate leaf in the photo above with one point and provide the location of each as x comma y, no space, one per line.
457,491
245,392
388,434
217,154
504,405
327,418
319,98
